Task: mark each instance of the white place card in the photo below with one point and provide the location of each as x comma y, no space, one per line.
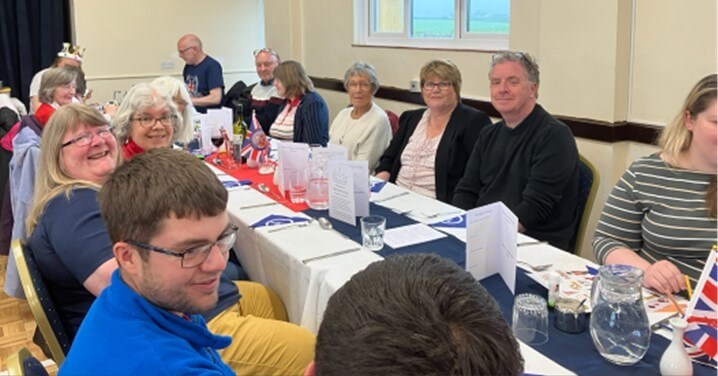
404,236
221,117
331,153
360,182
205,131
341,193
491,242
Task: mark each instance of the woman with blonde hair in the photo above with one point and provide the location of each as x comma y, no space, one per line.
429,152
304,116
661,215
65,231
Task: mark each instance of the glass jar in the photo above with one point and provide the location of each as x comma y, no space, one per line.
619,323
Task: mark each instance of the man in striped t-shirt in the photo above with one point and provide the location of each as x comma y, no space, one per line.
661,215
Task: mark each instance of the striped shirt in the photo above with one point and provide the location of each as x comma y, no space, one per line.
659,211
283,127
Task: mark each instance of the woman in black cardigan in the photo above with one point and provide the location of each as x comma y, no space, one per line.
447,131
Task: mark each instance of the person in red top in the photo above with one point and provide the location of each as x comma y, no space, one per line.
146,119
56,89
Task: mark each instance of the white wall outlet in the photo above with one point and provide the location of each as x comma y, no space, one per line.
414,86
167,65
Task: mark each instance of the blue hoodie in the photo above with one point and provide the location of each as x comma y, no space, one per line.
124,334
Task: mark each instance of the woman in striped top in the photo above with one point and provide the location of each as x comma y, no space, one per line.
661,215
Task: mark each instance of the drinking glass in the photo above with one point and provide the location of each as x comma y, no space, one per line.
372,232
530,319
297,186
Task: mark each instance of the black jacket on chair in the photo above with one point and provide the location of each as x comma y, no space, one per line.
453,151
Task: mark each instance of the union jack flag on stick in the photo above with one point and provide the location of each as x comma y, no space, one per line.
701,315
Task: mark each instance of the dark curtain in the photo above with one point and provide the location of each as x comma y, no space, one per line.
31,34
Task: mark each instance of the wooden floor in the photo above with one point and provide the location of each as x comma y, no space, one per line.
17,326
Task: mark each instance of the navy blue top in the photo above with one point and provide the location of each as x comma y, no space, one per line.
311,121
202,78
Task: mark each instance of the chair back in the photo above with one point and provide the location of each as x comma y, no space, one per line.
393,121
24,364
41,305
588,180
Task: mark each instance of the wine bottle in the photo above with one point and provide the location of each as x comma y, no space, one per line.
239,130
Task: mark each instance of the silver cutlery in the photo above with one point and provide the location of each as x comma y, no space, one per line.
391,197
536,268
290,225
337,253
258,205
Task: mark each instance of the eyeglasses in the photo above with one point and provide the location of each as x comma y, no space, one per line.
195,256
265,49
149,122
85,139
509,55
359,85
443,85
185,50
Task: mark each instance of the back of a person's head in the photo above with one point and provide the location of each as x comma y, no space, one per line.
415,314
154,185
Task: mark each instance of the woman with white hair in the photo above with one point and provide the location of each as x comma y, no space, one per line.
146,119
363,127
180,96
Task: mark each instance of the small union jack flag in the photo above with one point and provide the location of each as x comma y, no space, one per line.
256,145
700,336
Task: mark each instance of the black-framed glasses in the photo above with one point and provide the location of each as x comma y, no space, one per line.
104,132
149,121
443,85
186,49
265,49
195,256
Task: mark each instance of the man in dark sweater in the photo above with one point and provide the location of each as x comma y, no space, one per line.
528,160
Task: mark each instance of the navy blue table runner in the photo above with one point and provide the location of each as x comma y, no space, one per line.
575,352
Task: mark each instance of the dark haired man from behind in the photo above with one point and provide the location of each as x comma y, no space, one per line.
414,314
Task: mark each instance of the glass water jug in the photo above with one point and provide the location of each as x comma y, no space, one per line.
619,323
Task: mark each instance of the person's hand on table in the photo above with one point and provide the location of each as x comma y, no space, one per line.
664,277
384,175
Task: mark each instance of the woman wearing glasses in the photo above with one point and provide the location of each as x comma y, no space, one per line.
57,89
429,151
65,230
146,119
69,240
363,127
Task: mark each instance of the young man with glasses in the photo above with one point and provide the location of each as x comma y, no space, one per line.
528,160
202,74
171,243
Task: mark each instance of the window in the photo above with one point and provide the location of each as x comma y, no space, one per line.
469,24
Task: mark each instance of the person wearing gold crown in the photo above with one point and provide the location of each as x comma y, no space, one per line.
69,56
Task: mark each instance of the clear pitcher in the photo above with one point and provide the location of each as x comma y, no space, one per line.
619,323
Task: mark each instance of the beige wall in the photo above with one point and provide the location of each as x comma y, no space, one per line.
127,42
609,60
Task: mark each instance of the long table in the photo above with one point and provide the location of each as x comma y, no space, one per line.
300,264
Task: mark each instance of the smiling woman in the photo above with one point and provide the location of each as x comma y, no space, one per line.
147,119
430,150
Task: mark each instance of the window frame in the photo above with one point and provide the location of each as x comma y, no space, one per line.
462,40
